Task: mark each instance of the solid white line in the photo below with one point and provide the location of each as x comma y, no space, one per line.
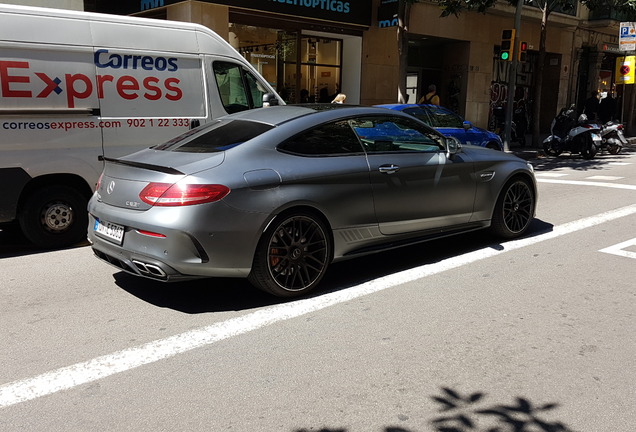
601,177
101,367
550,174
588,183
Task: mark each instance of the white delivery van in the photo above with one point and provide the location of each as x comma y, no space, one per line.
76,86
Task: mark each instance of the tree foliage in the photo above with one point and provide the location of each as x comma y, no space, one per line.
455,7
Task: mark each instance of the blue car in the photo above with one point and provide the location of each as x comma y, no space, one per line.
451,124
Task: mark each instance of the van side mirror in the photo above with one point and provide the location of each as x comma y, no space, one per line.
269,99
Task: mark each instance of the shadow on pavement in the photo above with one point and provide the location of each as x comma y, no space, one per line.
467,413
197,296
14,244
232,294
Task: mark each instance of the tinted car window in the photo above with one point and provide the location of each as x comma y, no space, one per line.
444,118
329,139
421,114
218,136
395,134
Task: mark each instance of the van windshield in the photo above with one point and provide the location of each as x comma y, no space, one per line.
217,136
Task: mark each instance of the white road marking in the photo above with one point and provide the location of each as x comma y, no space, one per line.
550,174
588,183
620,163
619,249
101,367
600,177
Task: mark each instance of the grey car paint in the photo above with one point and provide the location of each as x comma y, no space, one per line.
368,201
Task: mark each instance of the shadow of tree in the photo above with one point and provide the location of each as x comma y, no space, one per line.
470,413
465,413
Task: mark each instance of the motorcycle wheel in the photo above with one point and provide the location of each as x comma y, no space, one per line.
614,149
549,150
589,150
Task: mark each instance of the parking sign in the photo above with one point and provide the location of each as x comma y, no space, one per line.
627,36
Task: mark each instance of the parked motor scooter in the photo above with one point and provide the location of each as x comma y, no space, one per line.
500,123
572,134
612,137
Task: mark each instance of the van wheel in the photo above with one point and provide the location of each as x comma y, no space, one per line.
292,255
54,217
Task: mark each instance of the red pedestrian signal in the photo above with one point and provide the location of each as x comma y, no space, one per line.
522,53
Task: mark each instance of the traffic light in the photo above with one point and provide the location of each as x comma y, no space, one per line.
522,54
507,45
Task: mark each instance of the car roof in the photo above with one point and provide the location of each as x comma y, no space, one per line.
402,106
279,114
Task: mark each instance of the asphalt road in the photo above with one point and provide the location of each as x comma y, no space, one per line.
454,333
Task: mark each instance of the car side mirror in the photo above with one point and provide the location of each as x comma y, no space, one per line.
467,125
269,99
453,146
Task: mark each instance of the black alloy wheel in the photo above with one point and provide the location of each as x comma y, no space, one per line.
292,256
514,209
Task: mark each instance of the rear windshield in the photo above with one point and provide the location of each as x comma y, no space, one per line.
215,137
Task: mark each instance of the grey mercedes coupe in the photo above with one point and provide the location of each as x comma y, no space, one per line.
277,194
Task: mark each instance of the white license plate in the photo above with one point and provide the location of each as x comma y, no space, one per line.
596,137
111,231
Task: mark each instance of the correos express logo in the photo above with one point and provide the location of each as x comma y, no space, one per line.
126,76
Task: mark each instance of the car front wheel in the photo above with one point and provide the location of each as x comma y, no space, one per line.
292,255
514,209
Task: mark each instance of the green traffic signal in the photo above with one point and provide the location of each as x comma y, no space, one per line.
507,45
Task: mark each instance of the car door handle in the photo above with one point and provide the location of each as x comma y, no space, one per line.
388,169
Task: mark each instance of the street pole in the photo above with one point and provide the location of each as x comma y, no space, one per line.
512,77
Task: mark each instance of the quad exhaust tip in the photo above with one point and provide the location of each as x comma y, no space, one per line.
150,269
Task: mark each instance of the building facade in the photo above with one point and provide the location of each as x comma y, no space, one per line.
311,50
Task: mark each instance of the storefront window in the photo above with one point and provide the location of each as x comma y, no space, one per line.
302,68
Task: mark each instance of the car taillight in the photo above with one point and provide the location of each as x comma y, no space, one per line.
174,195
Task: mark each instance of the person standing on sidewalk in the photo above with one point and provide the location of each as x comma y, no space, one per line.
607,108
590,109
431,97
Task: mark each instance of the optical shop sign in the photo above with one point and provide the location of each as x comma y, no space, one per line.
356,12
